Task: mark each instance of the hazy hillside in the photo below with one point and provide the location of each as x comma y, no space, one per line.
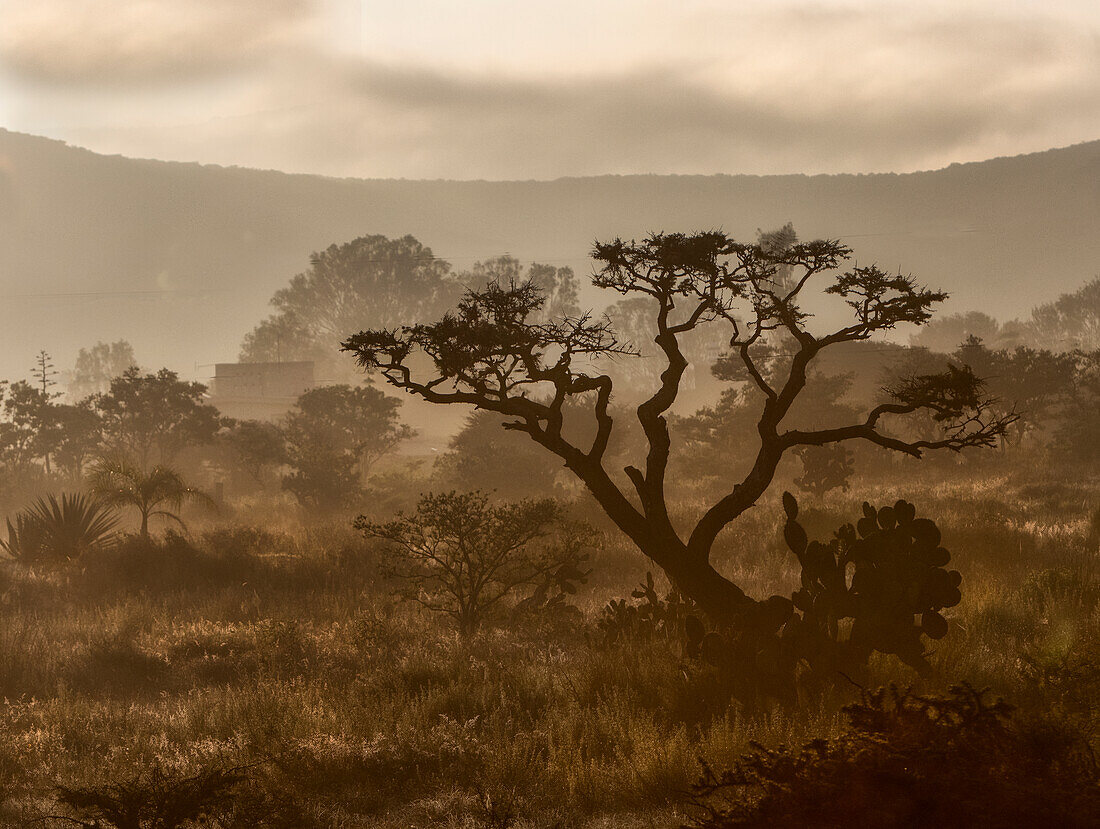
181,258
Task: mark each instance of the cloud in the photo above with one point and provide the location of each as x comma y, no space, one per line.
840,95
809,88
125,42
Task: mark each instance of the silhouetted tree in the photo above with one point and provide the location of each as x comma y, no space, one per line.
153,416
1038,381
334,435
558,285
460,555
713,437
488,353
635,378
43,373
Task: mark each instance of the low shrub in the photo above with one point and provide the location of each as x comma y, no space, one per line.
909,760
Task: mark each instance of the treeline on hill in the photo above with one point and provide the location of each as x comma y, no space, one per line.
325,452
592,440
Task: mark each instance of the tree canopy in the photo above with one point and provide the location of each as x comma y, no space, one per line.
97,366
372,279
1072,321
378,281
152,417
334,435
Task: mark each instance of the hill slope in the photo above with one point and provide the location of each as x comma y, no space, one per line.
181,258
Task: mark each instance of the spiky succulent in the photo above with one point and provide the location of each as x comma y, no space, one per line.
56,529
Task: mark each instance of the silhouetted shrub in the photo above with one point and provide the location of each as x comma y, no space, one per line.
912,761
54,530
238,542
155,799
460,555
172,562
113,662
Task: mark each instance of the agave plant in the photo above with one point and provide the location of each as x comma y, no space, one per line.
57,529
158,493
26,539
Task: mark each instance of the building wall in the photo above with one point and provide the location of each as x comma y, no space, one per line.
259,391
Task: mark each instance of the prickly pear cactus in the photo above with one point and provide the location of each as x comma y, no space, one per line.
649,615
886,574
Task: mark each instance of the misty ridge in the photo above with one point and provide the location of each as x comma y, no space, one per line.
153,246
654,501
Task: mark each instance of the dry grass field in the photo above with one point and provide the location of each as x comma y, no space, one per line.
274,674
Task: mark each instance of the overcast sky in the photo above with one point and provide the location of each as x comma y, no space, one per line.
545,88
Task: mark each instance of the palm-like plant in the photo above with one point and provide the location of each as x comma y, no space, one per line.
158,493
60,528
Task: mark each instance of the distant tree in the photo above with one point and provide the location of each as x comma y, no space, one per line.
484,456
152,417
157,493
258,446
776,243
635,378
461,555
1072,321
1077,434
44,373
558,285
825,468
1037,381
713,437
488,353
948,333
27,432
96,367
334,435
374,278
79,434
284,337
561,288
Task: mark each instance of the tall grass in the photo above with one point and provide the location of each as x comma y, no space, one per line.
286,653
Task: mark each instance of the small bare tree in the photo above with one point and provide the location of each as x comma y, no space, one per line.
490,353
460,555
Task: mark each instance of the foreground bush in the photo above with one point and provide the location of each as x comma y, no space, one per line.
910,760
60,529
220,798
459,555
